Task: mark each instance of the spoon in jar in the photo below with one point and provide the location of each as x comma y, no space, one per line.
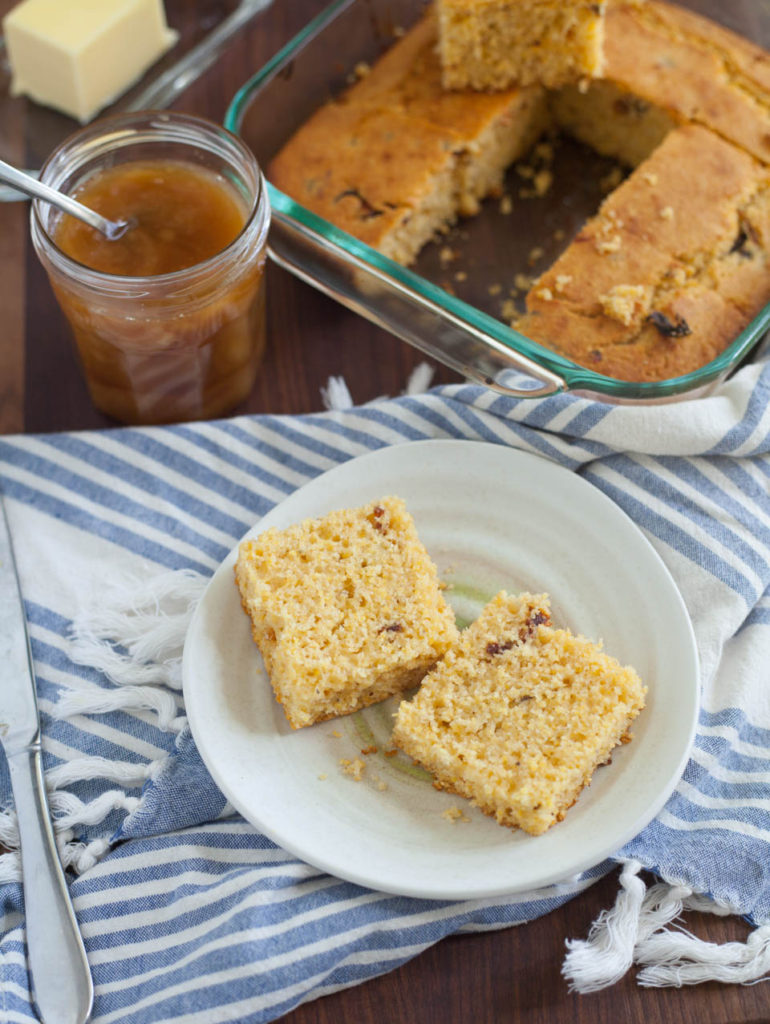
111,229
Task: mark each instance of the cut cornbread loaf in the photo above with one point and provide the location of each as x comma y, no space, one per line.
518,715
665,274
395,159
346,609
493,44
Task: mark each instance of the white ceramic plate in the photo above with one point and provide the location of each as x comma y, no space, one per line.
492,518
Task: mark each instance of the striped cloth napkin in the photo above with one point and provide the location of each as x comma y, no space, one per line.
187,912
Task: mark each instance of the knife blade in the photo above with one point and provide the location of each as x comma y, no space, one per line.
61,978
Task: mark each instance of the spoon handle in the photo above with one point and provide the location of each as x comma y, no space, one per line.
32,187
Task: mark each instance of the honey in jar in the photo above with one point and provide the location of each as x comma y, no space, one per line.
169,318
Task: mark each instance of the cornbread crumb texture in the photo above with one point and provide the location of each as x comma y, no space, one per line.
682,100
518,714
354,767
493,44
455,814
346,609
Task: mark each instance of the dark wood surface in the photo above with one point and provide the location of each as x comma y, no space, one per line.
508,975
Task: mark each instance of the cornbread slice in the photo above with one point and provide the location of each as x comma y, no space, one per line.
517,715
346,609
493,44
388,185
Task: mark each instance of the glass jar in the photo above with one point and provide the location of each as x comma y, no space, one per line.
175,346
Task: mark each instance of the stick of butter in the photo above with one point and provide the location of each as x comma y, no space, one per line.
80,55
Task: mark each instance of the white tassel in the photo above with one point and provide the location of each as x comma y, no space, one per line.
635,932
677,958
136,631
82,856
126,698
336,396
608,952
68,810
82,768
419,379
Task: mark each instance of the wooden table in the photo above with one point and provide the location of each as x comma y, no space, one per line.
509,975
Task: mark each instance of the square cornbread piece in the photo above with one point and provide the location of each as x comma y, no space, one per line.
493,44
346,609
386,181
517,715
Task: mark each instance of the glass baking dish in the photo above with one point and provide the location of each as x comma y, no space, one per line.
453,317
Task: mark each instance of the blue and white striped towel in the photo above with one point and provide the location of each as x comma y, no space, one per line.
188,914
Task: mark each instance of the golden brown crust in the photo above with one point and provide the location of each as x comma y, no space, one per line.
692,68
381,172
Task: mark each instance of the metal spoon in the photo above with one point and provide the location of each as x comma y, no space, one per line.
111,229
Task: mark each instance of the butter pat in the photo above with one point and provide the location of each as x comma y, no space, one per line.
80,55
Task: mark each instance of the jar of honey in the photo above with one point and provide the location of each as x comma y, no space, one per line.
169,320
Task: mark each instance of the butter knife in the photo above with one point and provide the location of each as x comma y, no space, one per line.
61,978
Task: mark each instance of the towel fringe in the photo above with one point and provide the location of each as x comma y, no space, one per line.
336,396
135,632
635,931
134,635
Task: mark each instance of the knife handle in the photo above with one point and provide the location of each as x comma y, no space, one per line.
61,978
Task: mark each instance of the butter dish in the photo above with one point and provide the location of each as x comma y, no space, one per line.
79,57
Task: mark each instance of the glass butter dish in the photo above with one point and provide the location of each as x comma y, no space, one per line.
455,302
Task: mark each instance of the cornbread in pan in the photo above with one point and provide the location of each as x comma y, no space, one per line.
666,274
389,185
493,44
395,158
346,609
662,60
518,715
